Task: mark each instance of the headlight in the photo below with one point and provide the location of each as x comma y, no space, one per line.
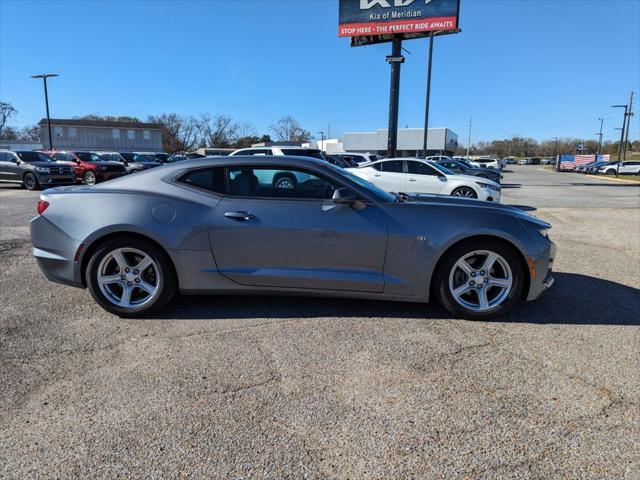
488,186
43,169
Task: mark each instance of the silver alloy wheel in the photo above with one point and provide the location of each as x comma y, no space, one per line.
90,178
129,278
480,280
465,192
30,181
285,182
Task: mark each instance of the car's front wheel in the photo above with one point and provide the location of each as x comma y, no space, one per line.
130,277
30,181
480,279
465,192
90,177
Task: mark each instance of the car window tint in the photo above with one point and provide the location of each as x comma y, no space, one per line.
419,168
207,178
377,166
303,152
394,166
274,182
4,157
254,152
60,156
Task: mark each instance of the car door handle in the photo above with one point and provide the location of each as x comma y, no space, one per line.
412,179
377,174
244,216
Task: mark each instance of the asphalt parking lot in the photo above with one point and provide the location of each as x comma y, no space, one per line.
282,387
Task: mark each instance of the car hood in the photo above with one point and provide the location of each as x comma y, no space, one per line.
473,178
418,200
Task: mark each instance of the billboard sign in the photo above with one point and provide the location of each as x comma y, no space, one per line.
378,20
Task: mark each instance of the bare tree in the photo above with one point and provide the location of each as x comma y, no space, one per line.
180,134
30,134
287,129
6,112
220,132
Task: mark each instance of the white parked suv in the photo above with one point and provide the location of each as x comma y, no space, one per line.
415,175
626,168
487,163
359,158
280,179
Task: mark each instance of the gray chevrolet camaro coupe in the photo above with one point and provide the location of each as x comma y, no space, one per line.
226,225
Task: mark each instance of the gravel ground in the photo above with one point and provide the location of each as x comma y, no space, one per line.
264,387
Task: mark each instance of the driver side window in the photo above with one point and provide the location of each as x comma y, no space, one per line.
278,182
419,168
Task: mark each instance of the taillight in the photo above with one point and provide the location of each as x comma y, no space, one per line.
42,206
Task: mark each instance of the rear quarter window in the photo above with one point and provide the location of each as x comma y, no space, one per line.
212,179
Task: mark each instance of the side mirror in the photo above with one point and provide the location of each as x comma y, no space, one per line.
442,178
345,196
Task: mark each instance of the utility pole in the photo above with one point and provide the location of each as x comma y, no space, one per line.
321,140
624,124
629,115
44,77
395,60
426,108
469,137
555,149
599,138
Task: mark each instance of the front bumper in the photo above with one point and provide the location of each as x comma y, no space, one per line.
45,179
55,251
104,176
490,195
542,272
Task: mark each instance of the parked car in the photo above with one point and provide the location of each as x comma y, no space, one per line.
90,168
358,158
157,157
510,160
415,175
548,161
524,161
334,235
593,167
629,167
194,155
486,163
280,150
134,162
463,169
340,161
535,161
34,169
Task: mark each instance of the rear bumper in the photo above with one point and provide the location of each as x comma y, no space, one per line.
54,251
543,278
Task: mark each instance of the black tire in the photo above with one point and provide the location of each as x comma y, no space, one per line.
167,280
30,181
89,177
611,171
482,175
464,192
134,171
442,289
284,181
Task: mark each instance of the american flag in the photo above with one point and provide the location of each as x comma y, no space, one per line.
570,162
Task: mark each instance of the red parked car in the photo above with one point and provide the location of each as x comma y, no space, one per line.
90,167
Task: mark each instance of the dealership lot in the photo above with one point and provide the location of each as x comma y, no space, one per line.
312,388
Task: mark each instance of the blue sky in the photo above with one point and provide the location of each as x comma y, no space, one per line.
535,68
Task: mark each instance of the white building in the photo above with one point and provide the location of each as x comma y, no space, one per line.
441,141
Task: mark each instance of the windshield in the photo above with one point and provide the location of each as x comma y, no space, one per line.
89,157
33,157
442,168
378,193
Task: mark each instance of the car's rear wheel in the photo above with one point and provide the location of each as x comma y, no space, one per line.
480,279
90,177
466,192
611,171
130,277
30,181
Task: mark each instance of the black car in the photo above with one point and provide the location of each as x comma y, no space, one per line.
34,169
461,168
134,162
340,161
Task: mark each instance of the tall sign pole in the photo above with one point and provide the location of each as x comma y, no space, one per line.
426,108
469,139
395,60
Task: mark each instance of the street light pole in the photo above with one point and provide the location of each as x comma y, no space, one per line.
624,124
626,136
599,138
555,150
428,100
44,77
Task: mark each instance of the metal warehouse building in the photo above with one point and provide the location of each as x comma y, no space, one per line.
102,135
441,141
